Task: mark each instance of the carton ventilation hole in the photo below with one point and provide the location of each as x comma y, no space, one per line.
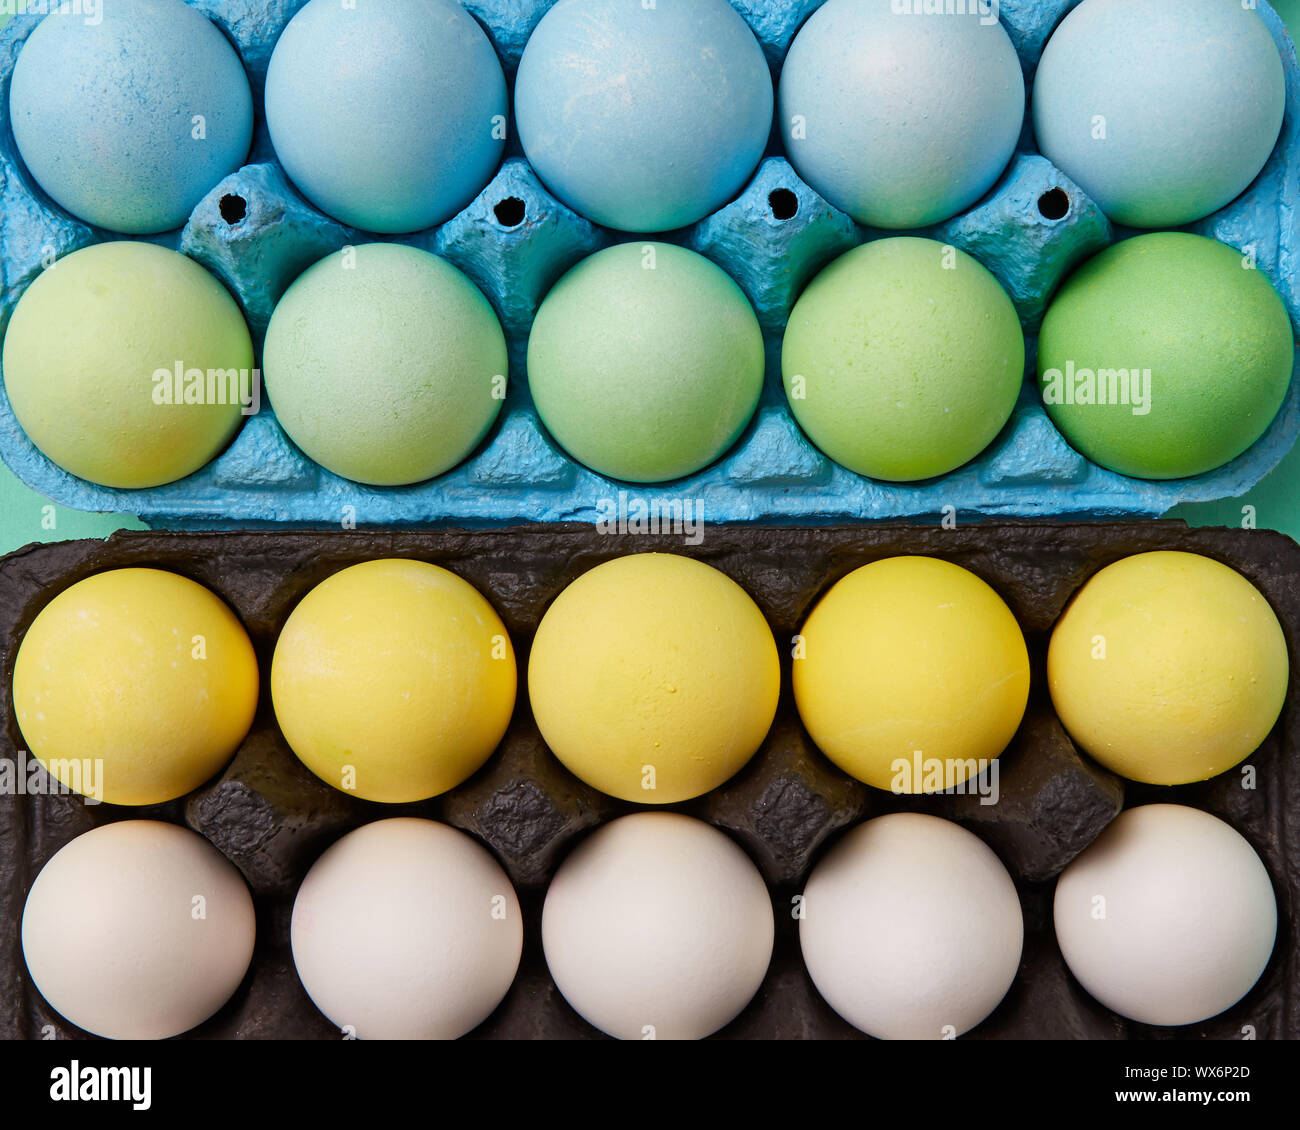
233,208
1053,204
510,212
784,204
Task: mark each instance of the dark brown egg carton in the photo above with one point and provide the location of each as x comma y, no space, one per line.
272,817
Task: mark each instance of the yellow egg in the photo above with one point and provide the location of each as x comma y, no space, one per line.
911,674
654,677
135,686
1168,668
393,680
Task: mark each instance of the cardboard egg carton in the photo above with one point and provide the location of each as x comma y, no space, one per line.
272,818
515,240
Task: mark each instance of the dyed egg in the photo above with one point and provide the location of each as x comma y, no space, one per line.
646,362
643,117
1168,668
1187,127
1168,917
653,677
393,680
911,674
657,926
111,390
911,928
389,115
899,118
128,120
135,686
406,930
385,364
138,930
1165,356
903,359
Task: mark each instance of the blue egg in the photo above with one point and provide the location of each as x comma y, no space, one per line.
129,113
389,115
643,117
1161,112
901,113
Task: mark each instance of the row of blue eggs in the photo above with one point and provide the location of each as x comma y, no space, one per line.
647,115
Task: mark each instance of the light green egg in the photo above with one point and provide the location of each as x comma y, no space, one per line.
646,362
385,364
128,364
1165,356
903,359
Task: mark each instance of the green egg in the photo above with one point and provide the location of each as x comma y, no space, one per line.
903,359
646,362
128,365
1165,356
385,364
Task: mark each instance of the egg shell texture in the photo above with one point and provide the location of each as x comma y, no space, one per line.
646,362
406,929
138,930
129,118
658,925
385,364
1162,112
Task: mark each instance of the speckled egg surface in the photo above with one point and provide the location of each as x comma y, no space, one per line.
110,390
393,680
1168,668
643,117
903,359
1161,112
654,678
389,115
135,686
898,117
129,118
385,364
911,674
1165,356
646,362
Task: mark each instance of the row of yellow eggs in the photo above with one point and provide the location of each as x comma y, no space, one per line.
653,677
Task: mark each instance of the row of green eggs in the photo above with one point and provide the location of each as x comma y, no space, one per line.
1165,356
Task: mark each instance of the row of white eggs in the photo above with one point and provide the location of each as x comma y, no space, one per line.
656,926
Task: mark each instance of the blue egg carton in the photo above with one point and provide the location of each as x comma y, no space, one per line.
515,240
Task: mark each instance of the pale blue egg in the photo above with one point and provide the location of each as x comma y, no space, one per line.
129,113
644,117
389,115
1161,112
899,115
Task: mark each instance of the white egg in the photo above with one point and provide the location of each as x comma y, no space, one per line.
657,926
138,930
1168,917
407,929
912,928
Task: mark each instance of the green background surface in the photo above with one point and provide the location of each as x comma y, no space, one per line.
26,516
